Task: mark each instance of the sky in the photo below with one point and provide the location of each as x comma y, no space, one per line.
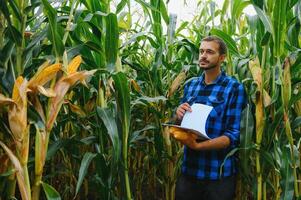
186,12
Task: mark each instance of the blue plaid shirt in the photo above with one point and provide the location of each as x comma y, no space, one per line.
227,96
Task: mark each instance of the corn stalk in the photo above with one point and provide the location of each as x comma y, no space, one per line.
56,98
286,96
17,116
256,71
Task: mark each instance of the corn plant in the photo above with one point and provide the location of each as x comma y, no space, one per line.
106,141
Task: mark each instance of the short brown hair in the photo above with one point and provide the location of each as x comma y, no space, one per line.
222,45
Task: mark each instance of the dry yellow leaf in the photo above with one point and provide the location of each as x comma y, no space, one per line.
45,74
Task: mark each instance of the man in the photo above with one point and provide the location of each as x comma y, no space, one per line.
204,175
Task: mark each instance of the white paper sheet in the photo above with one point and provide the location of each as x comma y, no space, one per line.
196,120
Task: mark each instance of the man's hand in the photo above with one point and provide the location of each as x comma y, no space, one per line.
182,109
185,137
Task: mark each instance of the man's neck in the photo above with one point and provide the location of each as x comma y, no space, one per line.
211,75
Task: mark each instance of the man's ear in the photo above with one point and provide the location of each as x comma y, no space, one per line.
222,57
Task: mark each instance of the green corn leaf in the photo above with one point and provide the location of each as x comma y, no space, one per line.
136,136
122,96
296,123
287,178
50,192
273,127
146,5
109,121
224,9
231,44
111,43
279,24
7,51
4,9
265,19
134,38
56,38
121,5
88,157
296,67
258,3
292,3
15,9
156,15
265,39
238,7
182,27
267,159
246,132
14,34
123,101
293,33
35,41
294,99
164,12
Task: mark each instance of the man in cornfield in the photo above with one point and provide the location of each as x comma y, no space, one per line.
206,174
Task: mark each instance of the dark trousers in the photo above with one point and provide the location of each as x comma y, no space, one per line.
190,188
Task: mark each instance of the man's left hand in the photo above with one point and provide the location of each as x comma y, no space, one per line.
185,137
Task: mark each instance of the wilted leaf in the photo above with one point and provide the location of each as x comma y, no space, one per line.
61,88
266,99
38,107
109,87
89,106
76,109
5,101
135,85
19,171
48,92
43,75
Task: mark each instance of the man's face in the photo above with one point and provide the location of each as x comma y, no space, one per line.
209,56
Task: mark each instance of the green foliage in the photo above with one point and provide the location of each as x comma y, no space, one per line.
113,126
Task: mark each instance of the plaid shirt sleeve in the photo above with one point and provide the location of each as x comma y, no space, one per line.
236,104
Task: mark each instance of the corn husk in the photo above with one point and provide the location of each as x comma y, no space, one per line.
176,83
17,114
74,64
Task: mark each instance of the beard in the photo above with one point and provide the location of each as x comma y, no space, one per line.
208,65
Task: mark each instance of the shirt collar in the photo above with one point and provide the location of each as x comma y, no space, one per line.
219,79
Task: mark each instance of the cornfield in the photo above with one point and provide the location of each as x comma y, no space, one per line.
85,86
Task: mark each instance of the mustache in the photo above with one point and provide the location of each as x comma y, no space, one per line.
203,60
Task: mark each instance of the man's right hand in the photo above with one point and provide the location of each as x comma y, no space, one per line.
182,109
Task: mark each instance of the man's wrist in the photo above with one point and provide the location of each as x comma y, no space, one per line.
177,121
